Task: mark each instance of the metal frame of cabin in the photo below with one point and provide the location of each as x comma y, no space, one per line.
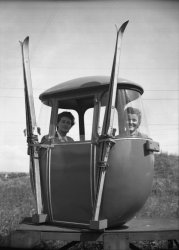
29,235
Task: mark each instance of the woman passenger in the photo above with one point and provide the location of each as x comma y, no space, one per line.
65,121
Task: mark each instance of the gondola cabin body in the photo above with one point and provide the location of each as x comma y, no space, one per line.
69,170
103,177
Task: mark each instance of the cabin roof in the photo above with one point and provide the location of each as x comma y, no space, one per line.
84,84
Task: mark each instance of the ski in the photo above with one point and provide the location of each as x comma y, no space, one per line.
106,141
31,129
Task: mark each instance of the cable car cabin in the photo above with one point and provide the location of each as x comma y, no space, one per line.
103,177
70,170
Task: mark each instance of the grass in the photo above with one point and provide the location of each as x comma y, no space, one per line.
18,202
164,199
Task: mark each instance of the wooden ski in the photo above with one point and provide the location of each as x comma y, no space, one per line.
31,130
107,141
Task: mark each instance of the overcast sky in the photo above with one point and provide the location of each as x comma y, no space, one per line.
69,39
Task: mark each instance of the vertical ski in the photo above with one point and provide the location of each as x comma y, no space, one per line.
31,128
107,131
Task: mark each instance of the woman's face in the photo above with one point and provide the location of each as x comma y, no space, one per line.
133,122
64,125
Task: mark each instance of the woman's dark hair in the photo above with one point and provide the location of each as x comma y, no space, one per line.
66,114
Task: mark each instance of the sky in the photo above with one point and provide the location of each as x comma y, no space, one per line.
70,39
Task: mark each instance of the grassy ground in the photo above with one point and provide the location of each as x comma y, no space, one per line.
17,202
164,199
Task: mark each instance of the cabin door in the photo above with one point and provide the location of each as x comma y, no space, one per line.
69,182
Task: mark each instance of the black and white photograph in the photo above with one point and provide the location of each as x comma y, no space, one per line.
89,116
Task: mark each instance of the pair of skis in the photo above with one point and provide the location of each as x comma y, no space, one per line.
32,131
107,132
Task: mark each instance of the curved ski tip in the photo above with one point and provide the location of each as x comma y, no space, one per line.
123,26
26,39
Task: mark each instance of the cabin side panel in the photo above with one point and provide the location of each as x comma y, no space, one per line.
70,190
128,181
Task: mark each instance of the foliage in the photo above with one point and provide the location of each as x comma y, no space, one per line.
16,201
164,198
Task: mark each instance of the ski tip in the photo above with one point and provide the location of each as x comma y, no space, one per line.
122,28
26,39
126,22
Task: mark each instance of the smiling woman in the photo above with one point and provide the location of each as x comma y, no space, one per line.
44,121
129,116
133,120
65,121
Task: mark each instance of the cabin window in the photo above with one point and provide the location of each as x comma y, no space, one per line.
88,122
136,106
126,124
44,120
101,119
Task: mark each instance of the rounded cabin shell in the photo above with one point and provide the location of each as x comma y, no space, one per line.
70,171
